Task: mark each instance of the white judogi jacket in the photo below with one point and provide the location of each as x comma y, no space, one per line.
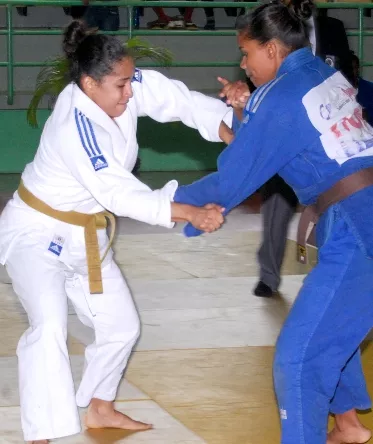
85,158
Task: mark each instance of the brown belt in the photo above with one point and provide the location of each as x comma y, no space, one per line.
339,191
90,222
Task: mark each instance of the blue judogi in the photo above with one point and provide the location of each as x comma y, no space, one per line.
307,126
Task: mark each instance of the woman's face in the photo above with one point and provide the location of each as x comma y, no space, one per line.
260,61
113,92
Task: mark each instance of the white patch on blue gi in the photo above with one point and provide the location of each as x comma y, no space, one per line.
56,245
332,109
89,141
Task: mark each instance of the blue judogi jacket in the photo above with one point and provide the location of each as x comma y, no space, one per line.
305,125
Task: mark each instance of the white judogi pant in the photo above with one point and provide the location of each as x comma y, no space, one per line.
42,283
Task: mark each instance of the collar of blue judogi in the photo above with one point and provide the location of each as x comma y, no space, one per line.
294,60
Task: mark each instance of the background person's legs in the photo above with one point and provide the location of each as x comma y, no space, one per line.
279,203
105,18
210,18
110,19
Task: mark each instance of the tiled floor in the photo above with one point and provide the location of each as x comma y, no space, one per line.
201,371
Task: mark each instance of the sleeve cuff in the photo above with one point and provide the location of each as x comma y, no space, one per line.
225,116
228,118
167,193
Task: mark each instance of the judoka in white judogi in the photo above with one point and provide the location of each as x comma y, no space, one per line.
84,163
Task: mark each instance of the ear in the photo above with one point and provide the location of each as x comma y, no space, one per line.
88,84
272,49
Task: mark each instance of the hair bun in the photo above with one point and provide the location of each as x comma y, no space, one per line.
74,34
302,9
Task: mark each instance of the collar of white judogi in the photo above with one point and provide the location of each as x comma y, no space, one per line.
90,109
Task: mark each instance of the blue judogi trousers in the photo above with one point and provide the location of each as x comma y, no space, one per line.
317,366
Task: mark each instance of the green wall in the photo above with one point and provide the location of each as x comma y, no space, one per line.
163,147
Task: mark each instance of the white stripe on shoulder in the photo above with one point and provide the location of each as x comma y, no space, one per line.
257,95
262,91
265,91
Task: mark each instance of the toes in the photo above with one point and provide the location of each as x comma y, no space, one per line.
144,426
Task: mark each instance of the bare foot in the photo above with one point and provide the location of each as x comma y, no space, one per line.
348,430
39,441
101,414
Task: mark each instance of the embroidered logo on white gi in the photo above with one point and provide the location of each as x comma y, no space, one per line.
56,245
137,76
89,141
283,414
334,112
99,162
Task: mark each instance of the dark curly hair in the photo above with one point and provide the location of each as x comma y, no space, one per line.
90,53
278,20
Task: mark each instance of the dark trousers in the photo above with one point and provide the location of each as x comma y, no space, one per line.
208,11
105,18
278,207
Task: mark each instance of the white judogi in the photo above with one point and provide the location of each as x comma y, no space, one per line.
83,164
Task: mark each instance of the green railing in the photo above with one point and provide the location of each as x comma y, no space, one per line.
10,32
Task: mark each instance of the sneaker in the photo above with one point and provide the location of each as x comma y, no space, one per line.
190,26
263,291
176,23
157,24
22,11
210,25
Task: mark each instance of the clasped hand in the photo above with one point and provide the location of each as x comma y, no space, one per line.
208,218
236,93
